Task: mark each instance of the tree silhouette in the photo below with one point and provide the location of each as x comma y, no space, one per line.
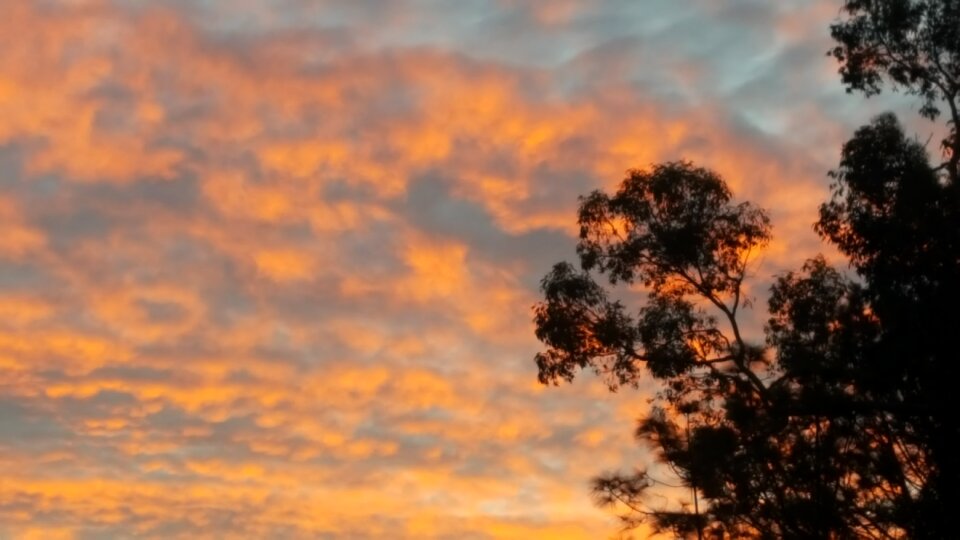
842,424
900,225
915,45
897,219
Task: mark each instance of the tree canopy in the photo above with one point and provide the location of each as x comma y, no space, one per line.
912,44
842,422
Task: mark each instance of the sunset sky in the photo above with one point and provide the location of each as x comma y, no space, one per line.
267,266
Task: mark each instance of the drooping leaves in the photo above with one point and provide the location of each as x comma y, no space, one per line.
582,328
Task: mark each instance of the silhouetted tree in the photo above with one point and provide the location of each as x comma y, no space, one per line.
843,423
770,443
900,225
897,219
914,44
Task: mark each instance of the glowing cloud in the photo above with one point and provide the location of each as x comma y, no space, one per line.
266,268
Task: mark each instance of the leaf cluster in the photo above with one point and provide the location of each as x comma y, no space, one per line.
912,44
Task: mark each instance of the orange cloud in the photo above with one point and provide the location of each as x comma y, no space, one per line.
19,238
228,308
282,265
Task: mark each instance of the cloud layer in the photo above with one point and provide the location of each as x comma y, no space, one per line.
266,267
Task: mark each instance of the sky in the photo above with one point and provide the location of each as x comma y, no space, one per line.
267,266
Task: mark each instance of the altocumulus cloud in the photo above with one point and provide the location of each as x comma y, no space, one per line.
266,266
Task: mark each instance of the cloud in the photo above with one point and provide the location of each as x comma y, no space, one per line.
266,267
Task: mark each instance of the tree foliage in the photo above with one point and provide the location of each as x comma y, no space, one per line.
842,422
913,44
674,230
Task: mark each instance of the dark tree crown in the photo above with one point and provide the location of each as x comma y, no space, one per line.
841,424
